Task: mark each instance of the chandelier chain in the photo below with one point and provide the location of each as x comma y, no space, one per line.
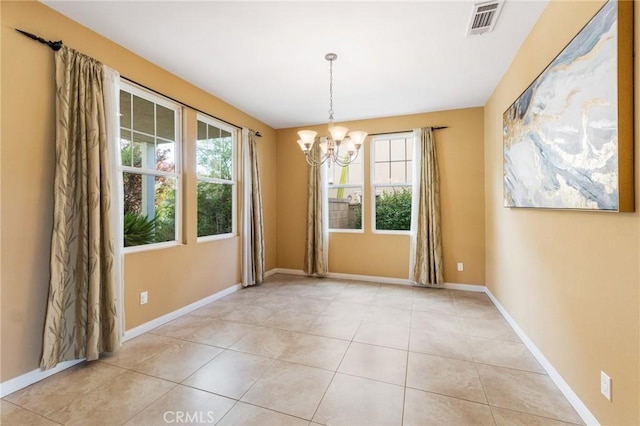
331,90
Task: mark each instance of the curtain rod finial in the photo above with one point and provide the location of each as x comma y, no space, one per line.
54,45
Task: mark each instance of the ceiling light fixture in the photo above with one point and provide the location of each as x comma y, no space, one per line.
338,135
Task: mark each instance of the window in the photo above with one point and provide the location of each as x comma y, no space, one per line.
150,150
391,181
345,196
215,159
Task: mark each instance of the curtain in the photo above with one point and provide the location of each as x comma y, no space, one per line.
81,319
425,265
316,259
252,228
111,91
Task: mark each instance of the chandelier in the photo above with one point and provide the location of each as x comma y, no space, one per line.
338,136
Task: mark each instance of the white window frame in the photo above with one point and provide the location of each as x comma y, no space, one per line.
233,182
374,185
136,90
331,186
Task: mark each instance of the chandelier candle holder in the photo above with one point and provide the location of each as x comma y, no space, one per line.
339,136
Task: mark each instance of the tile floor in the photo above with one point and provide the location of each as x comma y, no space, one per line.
302,351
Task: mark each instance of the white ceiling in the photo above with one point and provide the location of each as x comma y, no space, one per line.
267,58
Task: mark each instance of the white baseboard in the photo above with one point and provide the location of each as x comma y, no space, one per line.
466,287
17,383
270,272
564,387
385,280
148,326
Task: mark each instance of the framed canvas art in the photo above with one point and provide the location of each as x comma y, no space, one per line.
568,138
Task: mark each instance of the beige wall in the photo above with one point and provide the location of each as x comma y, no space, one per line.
569,279
173,277
460,152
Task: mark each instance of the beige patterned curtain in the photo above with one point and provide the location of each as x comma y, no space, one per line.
317,241
426,238
81,320
252,227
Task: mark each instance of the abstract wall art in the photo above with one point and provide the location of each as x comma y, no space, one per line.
568,138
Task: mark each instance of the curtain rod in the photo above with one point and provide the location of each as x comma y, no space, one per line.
405,131
57,45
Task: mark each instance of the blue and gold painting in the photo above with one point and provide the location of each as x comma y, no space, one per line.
561,134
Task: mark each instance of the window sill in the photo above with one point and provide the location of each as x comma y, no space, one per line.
346,231
209,238
388,232
149,247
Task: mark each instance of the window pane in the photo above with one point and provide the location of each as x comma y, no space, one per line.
202,131
381,149
410,171
225,149
165,156
351,174
345,208
213,132
149,208
126,148
382,173
165,119
398,170
214,155
409,148
393,208
143,151
125,109
398,150
143,115
215,209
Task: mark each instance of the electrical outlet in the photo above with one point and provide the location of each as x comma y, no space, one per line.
460,266
605,385
144,297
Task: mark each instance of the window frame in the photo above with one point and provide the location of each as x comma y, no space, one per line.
233,182
347,186
135,90
374,185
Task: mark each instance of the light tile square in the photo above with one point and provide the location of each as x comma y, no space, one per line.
504,354
316,351
448,345
220,333
178,361
56,391
230,374
381,334
114,402
445,376
526,392
174,407
353,401
504,417
12,415
437,323
290,389
269,342
495,328
422,408
290,319
249,415
375,362
388,315
332,326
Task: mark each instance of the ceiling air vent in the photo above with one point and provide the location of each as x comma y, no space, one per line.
484,17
